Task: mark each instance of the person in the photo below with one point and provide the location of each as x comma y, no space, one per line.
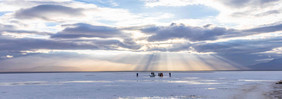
169,74
161,75
136,74
152,74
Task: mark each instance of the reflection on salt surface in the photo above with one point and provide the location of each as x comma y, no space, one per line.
87,81
24,83
209,80
211,88
191,78
103,81
249,80
168,97
193,82
48,82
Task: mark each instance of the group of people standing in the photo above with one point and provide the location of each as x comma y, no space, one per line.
153,74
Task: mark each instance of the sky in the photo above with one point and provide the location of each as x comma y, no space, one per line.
138,35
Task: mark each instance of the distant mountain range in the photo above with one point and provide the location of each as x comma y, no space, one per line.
275,64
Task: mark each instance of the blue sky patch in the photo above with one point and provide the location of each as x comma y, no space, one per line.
51,24
3,13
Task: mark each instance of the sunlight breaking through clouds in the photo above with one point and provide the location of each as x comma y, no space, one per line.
164,61
140,35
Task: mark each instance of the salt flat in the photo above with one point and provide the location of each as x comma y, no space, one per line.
111,85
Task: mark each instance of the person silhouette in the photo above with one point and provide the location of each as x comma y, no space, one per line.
169,74
152,74
136,74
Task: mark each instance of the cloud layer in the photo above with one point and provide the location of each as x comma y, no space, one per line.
187,32
87,30
46,11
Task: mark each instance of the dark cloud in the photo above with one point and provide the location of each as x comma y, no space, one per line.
244,46
13,29
248,12
244,51
4,27
87,30
247,3
270,12
264,29
28,32
256,30
15,47
236,3
46,11
240,46
207,32
267,1
13,44
187,32
79,30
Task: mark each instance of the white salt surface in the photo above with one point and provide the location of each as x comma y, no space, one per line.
112,85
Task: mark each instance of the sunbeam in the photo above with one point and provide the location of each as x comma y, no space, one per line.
175,61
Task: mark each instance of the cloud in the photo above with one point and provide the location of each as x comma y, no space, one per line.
20,44
233,13
4,27
174,31
13,44
246,3
242,51
115,44
87,30
46,11
243,46
230,3
12,29
206,32
265,29
236,3
240,46
270,12
76,31
245,13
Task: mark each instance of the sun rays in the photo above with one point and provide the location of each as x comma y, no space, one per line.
175,61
